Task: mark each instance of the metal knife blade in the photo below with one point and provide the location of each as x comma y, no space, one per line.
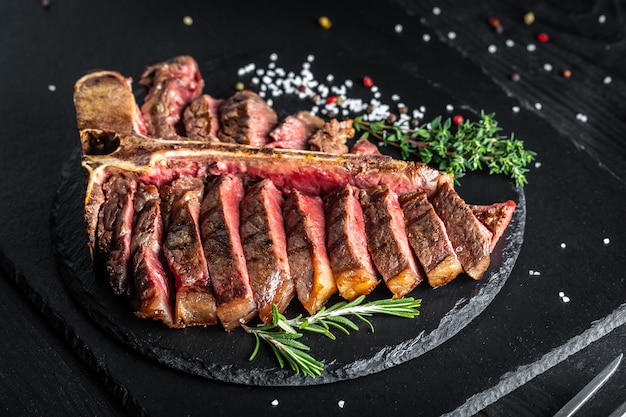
587,392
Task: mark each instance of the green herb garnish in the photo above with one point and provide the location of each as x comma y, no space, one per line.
470,146
282,333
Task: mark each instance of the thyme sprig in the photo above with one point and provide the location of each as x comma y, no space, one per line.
472,146
282,333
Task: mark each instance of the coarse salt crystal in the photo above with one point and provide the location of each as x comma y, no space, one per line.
538,106
451,35
537,164
563,245
561,294
395,97
398,28
492,49
547,67
436,10
531,47
607,80
341,403
426,37
515,109
449,107
581,117
602,18
275,403
510,43
606,241
52,87
273,56
565,299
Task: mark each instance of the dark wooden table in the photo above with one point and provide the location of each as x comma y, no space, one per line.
528,352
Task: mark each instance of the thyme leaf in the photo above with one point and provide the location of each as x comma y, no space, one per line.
282,333
472,146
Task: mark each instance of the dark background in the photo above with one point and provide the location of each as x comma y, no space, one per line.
55,361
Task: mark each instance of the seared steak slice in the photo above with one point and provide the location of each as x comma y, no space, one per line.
153,288
246,118
306,250
332,137
294,132
347,244
219,227
170,86
265,248
495,217
429,240
365,147
114,230
202,118
470,238
387,241
124,117
195,303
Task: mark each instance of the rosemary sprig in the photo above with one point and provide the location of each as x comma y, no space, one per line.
472,146
281,333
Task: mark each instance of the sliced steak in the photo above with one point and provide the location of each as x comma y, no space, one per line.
153,288
246,118
365,147
114,230
429,240
170,86
387,241
347,244
265,248
294,132
470,238
195,302
306,250
495,217
202,118
219,227
332,137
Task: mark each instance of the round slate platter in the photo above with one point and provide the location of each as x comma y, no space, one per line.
212,353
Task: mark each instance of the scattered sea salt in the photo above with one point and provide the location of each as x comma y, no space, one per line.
563,245
52,87
515,109
565,299
606,241
537,164
275,403
538,106
451,35
534,273
449,107
531,47
547,67
561,294
602,18
607,80
510,43
341,403
398,28
581,117
436,11
492,49
426,37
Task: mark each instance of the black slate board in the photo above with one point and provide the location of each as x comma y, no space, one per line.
212,353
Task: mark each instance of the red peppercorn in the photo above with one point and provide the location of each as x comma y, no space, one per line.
458,119
368,82
494,22
543,37
331,100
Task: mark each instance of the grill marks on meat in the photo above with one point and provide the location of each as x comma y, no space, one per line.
170,86
153,287
219,227
246,118
470,238
114,230
347,244
306,249
195,303
202,118
429,239
387,241
265,249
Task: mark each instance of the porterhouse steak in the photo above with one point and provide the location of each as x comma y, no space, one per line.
204,209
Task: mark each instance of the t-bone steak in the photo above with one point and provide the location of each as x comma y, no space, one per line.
204,210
